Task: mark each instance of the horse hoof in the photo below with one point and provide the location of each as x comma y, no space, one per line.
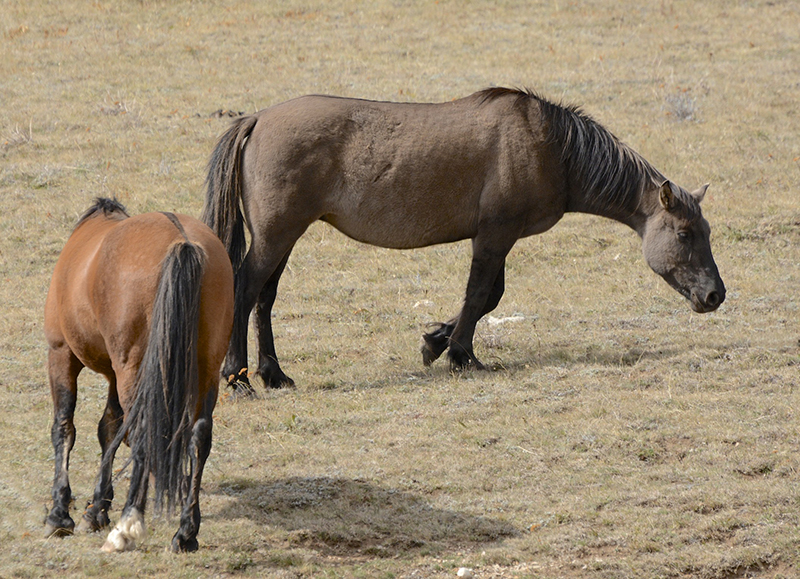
273,376
55,526
242,389
434,344
240,384
118,542
51,530
461,361
180,545
129,531
283,381
90,524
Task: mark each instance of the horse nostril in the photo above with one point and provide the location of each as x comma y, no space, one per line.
713,300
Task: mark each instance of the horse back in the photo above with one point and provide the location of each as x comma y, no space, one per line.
396,175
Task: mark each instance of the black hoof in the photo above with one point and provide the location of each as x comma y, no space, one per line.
93,522
273,376
240,384
181,545
58,525
461,360
435,343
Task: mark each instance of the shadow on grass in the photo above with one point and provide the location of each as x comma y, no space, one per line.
600,356
570,357
344,517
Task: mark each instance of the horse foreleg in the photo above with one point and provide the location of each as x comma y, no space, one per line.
185,538
435,343
485,287
63,370
95,517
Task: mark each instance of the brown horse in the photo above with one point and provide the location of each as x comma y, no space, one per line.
493,167
147,301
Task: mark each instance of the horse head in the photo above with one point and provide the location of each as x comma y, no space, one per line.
677,247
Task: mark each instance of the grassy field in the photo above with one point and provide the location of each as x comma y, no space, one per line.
618,435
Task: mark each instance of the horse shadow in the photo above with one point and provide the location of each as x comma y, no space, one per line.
344,517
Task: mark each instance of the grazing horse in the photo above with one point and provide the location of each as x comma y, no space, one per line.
146,301
493,167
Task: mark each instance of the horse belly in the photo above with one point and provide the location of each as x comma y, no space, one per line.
401,220
396,226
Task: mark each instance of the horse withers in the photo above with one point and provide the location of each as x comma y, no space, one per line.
146,301
493,167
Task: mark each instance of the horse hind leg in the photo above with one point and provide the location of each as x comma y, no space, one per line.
63,370
257,282
95,518
234,368
130,530
268,367
185,539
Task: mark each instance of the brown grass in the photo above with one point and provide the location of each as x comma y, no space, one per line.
618,436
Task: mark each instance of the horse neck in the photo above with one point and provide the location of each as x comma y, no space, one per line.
631,213
603,176
625,195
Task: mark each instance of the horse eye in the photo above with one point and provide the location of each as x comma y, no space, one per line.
683,235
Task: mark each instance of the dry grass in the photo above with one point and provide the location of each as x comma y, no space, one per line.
618,436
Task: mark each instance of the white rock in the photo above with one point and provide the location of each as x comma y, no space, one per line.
492,321
466,572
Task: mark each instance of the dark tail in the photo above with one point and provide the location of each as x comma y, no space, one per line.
159,424
224,182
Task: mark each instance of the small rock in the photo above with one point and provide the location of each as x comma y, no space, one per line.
466,572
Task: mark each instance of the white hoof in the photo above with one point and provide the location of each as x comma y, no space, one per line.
127,532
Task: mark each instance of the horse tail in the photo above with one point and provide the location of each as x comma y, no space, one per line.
222,212
159,424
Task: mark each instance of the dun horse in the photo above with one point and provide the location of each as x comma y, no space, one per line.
147,301
493,167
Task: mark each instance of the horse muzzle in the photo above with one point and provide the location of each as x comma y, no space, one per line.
704,301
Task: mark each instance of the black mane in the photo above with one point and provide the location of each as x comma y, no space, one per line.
602,171
108,206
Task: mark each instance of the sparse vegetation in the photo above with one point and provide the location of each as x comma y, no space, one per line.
618,435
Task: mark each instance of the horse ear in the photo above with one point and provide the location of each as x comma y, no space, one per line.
666,196
700,193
